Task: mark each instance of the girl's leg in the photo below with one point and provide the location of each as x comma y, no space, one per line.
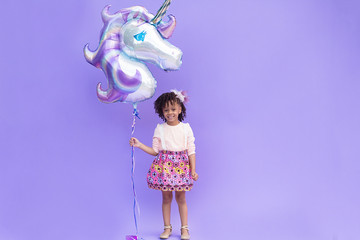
181,201
167,197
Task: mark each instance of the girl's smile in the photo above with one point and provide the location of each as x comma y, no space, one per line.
171,113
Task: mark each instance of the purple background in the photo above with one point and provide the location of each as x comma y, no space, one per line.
274,89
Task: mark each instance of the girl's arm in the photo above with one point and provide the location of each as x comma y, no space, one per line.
136,143
192,159
191,149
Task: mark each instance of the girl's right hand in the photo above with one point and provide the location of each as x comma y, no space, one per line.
134,142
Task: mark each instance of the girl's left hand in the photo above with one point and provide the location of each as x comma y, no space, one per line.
194,175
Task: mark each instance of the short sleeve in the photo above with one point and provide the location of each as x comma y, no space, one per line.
190,140
157,132
156,143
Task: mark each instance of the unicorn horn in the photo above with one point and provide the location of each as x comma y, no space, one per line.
161,12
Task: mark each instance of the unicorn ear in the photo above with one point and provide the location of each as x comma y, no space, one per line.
167,28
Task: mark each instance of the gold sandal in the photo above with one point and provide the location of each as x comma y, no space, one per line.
166,235
185,236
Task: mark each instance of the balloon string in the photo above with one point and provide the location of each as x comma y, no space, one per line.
136,205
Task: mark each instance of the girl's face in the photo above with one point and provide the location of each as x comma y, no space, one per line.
171,112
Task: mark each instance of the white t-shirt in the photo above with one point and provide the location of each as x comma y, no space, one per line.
174,138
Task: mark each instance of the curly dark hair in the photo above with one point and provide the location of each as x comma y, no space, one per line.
165,99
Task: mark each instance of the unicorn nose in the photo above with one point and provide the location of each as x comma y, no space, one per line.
173,60
176,56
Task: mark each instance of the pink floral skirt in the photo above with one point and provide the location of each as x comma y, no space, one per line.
170,171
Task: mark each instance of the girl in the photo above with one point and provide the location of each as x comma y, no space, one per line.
174,166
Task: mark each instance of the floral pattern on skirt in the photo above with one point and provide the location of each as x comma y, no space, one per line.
170,171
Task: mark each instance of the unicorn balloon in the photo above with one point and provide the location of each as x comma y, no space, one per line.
129,38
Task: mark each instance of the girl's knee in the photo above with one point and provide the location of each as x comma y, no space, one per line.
180,197
167,197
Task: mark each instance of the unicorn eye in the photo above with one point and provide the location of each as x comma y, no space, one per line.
140,36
